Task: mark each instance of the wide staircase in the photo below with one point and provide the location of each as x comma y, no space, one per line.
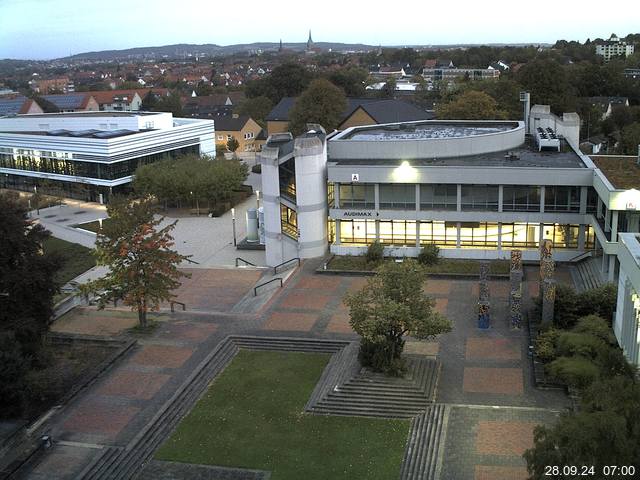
586,273
374,394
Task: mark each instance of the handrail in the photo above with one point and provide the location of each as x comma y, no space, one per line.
245,261
275,269
255,289
172,302
583,254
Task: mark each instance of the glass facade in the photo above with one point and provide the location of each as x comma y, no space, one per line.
561,199
288,221
439,232
439,197
398,196
398,232
479,235
520,198
563,236
355,195
520,235
360,232
480,197
287,178
62,164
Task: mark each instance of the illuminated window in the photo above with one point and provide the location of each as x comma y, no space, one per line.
478,235
361,232
562,235
289,221
398,232
520,235
438,232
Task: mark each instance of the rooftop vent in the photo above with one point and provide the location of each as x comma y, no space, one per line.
546,138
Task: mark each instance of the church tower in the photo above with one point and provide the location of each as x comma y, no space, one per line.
309,42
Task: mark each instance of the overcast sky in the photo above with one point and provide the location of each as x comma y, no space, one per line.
43,29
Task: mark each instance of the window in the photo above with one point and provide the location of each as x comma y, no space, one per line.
592,200
287,177
398,232
439,197
520,198
478,235
562,235
590,238
561,199
331,230
357,195
361,232
441,233
288,221
331,194
520,235
480,197
397,196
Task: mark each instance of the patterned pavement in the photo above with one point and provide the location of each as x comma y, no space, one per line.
486,375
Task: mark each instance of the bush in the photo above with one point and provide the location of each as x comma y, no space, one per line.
545,346
584,344
600,301
429,255
257,168
577,371
376,355
565,306
596,326
375,252
13,368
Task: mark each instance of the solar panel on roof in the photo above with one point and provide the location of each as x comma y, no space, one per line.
112,133
83,133
58,133
65,101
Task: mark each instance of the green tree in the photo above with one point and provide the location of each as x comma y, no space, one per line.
27,288
351,79
286,80
388,89
548,83
470,105
321,103
605,431
392,305
233,144
257,108
630,139
143,268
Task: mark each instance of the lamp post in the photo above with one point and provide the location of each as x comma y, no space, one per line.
233,224
257,199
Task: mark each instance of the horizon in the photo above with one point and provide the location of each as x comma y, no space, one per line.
57,29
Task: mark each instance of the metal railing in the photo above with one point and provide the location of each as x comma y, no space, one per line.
255,289
275,269
585,254
174,302
238,259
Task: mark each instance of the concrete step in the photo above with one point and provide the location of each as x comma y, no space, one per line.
425,446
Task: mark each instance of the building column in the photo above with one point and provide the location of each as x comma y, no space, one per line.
499,236
337,233
612,267
459,199
614,226
336,195
500,197
377,230
583,200
376,199
607,221
417,197
603,267
581,236
418,233
542,193
457,235
599,208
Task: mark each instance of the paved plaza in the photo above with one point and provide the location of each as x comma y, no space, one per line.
485,379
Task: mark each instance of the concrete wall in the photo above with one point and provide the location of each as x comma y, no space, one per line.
78,121
568,126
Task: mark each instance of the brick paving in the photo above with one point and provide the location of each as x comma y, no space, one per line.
485,377
89,321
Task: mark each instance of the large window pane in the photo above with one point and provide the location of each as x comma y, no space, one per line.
561,199
288,221
478,235
438,197
520,235
562,235
520,198
357,195
398,232
480,197
400,196
359,232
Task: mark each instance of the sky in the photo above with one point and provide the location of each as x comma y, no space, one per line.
45,29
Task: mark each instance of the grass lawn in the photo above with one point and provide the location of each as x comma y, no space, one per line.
445,265
252,417
91,226
76,259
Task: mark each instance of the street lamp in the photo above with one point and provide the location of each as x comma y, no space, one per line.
257,199
233,223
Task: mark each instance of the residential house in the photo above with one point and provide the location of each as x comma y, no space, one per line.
74,102
118,100
607,104
241,127
18,104
614,47
45,86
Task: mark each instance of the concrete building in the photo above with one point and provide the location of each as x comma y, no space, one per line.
439,74
626,324
614,48
86,154
241,127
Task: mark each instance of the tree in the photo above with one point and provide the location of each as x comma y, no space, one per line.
605,431
232,144
351,79
27,287
257,108
391,305
321,103
286,80
630,139
388,89
143,268
548,83
470,105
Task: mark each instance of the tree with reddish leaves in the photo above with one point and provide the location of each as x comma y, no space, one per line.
143,267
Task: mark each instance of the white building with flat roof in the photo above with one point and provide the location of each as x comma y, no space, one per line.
85,154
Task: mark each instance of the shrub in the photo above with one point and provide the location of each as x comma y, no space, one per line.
375,252
613,363
13,368
572,343
565,306
596,326
577,371
600,301
429,255
545,346
377,354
